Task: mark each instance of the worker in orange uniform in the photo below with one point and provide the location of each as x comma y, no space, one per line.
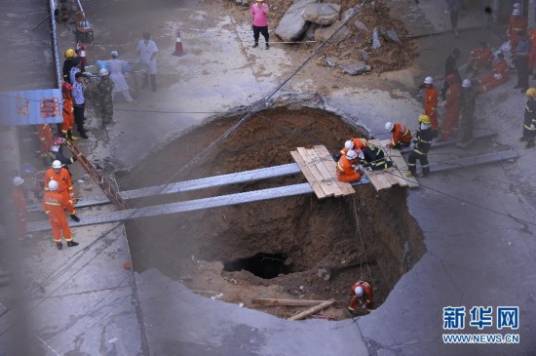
400,135
452,108
516,25
18,196
499,75
362,297
65,186
55,206
46,138
347,168
532,52
68,111
431,96
480,58
356,143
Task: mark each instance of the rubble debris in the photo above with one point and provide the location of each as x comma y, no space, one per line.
324,33
349,13
355,69
392,36
361,26
323,14
376,39
331,61
292,26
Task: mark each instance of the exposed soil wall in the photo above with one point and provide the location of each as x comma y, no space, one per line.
366,236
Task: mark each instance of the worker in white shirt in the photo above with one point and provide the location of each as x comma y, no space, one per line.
147,51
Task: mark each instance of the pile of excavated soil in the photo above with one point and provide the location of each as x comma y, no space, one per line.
365,236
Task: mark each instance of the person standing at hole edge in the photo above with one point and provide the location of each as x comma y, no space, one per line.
362,298
400,135
467,99
348,169
423,142
529,123
79,104
62,177
147,51
454,7
55,205
259,18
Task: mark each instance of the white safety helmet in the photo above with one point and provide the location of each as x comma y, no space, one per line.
389,126
17,181
55,148
103,72
359,291
349,145
428,80
351,154
516,12
114,54
466,83
517,5
56,164
52,185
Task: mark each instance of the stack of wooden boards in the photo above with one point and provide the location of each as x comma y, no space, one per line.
398,174
320,170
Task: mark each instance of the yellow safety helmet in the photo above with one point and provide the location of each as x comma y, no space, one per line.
531,92
69,53
425,119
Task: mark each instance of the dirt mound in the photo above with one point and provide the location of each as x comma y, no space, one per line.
276,248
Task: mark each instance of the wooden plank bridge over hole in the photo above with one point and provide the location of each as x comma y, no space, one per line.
316,164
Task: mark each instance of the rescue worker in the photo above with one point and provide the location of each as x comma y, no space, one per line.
498,76
68,112
63,177
451,67
422,144
104,103
356,144
56,153
18,196
467,100
79,104
55,206
375,158
46,138
347,167
480,58
400,135
362,297
529,123
117,67
521,61
532,54
147,51
430,102
452,108
69,62
517,24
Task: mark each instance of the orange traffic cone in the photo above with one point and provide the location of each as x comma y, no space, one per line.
179,51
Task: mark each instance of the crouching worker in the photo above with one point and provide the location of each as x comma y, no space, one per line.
400,135
374,158
55,205
423,142
348,167
362,298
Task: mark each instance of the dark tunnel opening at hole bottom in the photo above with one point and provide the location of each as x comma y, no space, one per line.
263,265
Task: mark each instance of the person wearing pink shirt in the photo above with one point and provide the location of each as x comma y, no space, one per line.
259,17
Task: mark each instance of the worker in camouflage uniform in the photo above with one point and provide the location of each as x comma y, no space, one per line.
104,104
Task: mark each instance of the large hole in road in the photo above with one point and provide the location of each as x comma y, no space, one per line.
296,247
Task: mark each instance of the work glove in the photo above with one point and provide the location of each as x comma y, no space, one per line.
74,218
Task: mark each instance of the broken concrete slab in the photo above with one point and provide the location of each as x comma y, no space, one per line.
322,14
292,25
323,33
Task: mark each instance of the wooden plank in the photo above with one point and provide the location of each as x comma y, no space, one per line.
315,185
311,164
331,166
271,302
312,310
326,178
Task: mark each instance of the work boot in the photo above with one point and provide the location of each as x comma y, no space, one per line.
425,171
267,45
523,138
256,45
530,144
72,244
413,170
59,245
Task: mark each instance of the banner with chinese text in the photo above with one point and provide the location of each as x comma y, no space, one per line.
31,107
